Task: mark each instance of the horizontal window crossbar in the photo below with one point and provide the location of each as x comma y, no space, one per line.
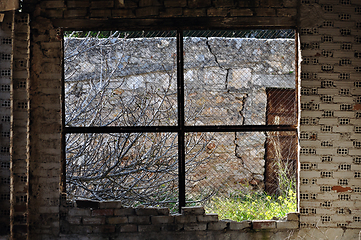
218,128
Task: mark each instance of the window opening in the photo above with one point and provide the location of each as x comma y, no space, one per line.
175,118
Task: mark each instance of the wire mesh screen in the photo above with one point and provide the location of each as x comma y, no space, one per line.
119,80
226,78
231,78
136,168
242,165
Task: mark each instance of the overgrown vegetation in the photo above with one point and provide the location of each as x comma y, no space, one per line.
253,206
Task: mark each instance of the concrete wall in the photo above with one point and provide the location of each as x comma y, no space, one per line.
330,103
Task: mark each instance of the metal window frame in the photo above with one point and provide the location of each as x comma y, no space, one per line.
181,129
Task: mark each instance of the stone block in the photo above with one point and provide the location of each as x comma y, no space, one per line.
293,216
93,220
117,220
207,218
103,212
287,224
124,212
139,219
216,226
146,211
263,224
162,219
195,226
110,204
128,228
239,225
192,210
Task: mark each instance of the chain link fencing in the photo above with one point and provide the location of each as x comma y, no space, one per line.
129,79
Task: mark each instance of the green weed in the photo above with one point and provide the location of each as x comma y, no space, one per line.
253,206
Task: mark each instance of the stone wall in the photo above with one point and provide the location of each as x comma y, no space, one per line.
225,84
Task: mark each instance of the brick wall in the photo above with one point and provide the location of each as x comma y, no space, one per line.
330,143
5,79
110,219
330,117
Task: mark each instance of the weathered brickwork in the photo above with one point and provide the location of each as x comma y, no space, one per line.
330,154
19,112
330,116
5,112
113,221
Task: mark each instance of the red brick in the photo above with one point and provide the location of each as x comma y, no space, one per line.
146,211
103,229
103,212
78,3
175,3
194,12
162,219
263,224
170,12
217,12
101,4
117,220
101,13
199,3
241,12
124,212
265,12
122,13
128,228
147,11
110,204
93,220
148,3
139,219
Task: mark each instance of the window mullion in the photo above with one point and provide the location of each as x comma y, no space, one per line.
181,135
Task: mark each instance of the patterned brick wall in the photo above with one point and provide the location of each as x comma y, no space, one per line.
330,138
